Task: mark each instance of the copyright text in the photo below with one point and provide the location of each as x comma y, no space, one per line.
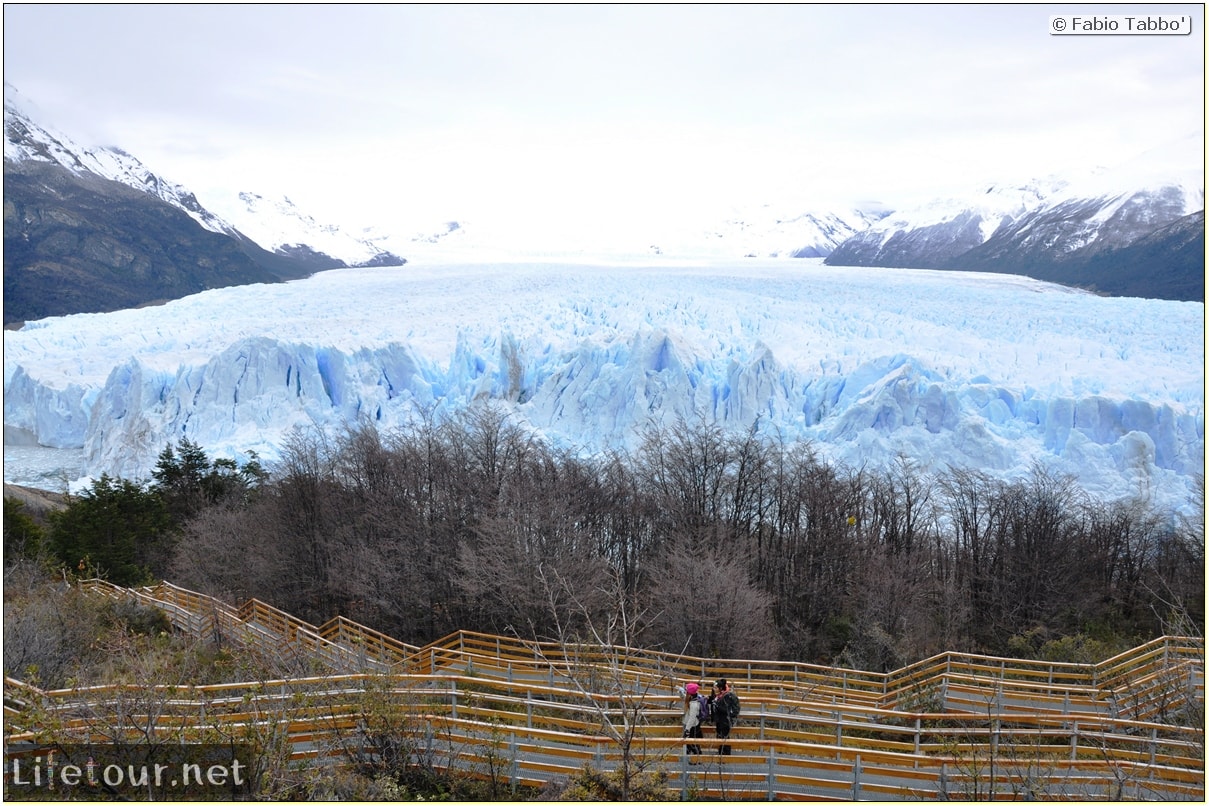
1120,24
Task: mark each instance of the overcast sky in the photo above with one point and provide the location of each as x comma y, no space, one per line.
389,113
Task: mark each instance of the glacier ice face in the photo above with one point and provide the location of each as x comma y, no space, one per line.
989,371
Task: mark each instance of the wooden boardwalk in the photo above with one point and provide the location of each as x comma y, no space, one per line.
954,726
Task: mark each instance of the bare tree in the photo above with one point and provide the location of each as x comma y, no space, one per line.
710,608
508,573
600,660
202,557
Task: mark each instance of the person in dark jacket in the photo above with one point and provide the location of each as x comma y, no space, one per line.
721,713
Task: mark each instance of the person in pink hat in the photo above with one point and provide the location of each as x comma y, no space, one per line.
692,720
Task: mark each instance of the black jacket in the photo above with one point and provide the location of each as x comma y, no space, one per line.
719,708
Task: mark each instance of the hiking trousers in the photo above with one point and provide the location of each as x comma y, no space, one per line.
693,733
722,730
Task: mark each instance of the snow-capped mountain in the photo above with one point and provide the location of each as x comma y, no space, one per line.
1063,229
930,235
757,231
447,231
770,231
1058,229
28,141
988,371
1106,211
279,228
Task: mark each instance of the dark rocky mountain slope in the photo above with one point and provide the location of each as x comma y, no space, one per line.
93,229
80,243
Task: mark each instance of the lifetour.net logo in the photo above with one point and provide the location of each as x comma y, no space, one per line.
144,772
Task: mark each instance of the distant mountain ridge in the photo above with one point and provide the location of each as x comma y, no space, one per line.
779,231
1129,232
278,225
93,230
776,232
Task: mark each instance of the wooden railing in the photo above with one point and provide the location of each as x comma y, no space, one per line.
955,725
544,732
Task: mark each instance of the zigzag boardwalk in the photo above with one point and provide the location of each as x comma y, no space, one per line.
523,713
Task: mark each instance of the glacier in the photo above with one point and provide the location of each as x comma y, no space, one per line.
994,372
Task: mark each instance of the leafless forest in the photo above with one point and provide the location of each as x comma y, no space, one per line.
727,546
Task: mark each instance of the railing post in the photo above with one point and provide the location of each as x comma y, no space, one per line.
763,711
772,773
453,697
1074,744
918,731
529,709
683,774
856,779
515,772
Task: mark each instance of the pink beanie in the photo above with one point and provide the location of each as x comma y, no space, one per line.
691,688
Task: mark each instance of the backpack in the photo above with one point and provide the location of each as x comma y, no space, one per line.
731,699
703,714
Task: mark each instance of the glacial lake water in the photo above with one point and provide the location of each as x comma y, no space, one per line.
50,469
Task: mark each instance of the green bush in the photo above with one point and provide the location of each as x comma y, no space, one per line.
138,618
116,529
23,537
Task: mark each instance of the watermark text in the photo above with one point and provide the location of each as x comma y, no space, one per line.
1120,24
140,770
